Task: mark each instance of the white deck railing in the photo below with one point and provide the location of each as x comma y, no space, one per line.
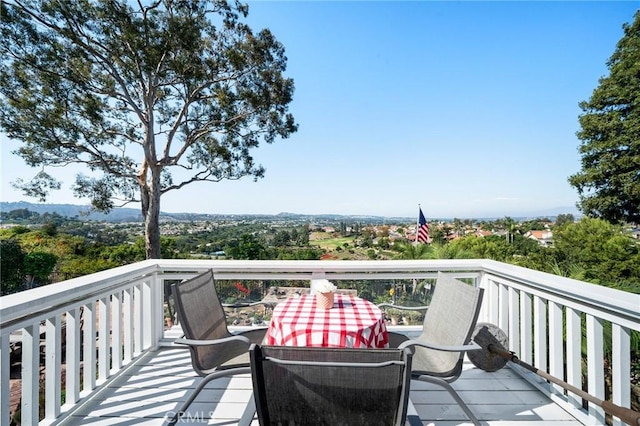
123,315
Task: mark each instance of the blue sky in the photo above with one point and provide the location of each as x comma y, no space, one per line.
467,108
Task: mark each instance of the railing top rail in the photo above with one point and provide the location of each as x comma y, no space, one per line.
596,297
320,266
50,297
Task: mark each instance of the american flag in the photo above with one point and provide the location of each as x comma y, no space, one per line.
423,228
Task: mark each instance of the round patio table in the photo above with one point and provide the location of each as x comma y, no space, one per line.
352,323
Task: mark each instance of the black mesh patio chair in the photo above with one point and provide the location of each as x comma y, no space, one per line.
330,386
215,352
449,322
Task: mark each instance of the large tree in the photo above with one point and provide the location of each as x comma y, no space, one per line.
136,90
609,182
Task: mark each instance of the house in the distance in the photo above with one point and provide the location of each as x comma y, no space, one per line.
544,238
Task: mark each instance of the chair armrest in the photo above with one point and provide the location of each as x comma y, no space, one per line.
194,342
473,346
405,308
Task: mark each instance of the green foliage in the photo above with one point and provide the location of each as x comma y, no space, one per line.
76,266
11,266
383,242
438,235
522,246
125,253
303,236
13,231
408,250
532,225
473,247
60,245
50,229
599,249
282,238
39,265
19,215
564,219
608,184
136,90
247,247
130,253
589,250
297,253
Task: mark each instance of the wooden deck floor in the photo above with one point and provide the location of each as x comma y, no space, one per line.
156,384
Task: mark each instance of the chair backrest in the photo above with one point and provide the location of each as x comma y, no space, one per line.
202,317
449,321
330,386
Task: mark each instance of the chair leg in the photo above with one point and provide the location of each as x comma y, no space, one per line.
453,393
205,380
413,419
249,412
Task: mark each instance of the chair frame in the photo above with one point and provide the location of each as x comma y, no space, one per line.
443,378
330,358
233,358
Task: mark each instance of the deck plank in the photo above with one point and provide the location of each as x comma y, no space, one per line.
160,381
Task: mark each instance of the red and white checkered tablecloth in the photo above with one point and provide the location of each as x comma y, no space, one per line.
351,323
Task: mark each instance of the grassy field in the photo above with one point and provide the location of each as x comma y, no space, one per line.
336,248
326,241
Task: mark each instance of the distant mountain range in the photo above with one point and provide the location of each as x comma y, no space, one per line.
72,210
134,215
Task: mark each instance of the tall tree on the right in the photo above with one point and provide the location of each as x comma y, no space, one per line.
609,182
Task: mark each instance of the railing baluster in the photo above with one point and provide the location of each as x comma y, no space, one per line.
89,348
526,328
104,338
574,354
540,331
52,370
621,362
72,380
595,372
127,323
514,321
157,304
503,309
147,326
492,296
556,357
137,319
30,374
116,331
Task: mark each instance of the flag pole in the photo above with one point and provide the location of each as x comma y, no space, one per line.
417,225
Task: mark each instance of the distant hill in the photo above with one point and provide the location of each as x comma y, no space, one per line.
134,215
72,211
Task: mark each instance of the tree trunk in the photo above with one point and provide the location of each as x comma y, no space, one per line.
152,230
151,214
